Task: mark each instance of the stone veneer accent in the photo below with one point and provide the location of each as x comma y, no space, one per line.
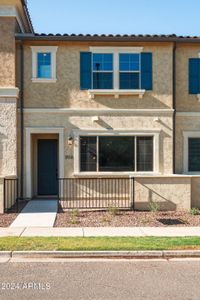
8,137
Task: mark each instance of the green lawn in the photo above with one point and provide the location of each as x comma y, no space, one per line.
99,243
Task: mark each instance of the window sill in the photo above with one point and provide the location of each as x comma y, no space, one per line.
115,93
192,173
117,174
44,80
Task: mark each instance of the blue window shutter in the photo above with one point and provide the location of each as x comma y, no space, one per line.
85,70
194,76
146,71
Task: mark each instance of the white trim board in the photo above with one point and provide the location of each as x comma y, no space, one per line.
116,49
41,130
116,92
43,49
11,11
99,111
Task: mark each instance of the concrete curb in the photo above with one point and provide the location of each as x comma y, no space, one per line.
165,254
5,254
87,254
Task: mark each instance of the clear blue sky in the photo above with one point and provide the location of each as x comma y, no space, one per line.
181,17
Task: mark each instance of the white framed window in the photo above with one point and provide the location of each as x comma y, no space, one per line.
44,63
102,70
116,152
191,157
116,70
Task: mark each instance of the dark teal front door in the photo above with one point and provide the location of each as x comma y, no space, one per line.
47,167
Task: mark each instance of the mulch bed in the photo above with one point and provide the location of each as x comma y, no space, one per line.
77,218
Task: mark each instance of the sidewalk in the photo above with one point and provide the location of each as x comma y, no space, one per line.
37,213
100,231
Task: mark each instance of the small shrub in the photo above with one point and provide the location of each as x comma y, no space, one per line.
145,221
106,219
154,206
75,212
74,215
113,210
194,211
74,220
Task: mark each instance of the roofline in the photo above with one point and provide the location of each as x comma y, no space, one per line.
27,14
107,38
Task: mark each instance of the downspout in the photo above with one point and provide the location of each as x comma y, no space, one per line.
174,106
22,122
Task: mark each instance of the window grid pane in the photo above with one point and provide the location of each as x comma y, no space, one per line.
194,154
44,65
129,81
88,154
102,62
129,62
145,153
102,80
116,154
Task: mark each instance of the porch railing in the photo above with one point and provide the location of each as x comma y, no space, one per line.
11,194
96,193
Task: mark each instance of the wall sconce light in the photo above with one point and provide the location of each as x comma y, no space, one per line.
70,141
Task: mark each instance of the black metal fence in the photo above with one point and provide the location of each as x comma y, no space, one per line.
11,193
96,193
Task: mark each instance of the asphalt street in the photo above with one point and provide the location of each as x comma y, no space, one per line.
101,279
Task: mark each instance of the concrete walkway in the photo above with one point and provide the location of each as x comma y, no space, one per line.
100,231
37,213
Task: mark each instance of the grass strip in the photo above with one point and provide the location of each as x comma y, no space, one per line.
98,243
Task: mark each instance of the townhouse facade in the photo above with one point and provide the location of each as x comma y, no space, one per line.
99,106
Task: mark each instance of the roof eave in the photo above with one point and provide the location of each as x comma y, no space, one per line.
96,38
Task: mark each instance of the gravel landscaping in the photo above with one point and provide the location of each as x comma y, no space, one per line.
114,218
7,219
76,218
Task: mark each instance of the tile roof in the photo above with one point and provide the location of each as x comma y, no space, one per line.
108,37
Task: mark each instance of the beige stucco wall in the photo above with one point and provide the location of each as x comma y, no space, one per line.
195,189
8,137
66,91
171,193
113,122
184,101
7,52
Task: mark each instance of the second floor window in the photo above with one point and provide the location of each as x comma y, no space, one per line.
118,69
44,65
102,67
129,71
